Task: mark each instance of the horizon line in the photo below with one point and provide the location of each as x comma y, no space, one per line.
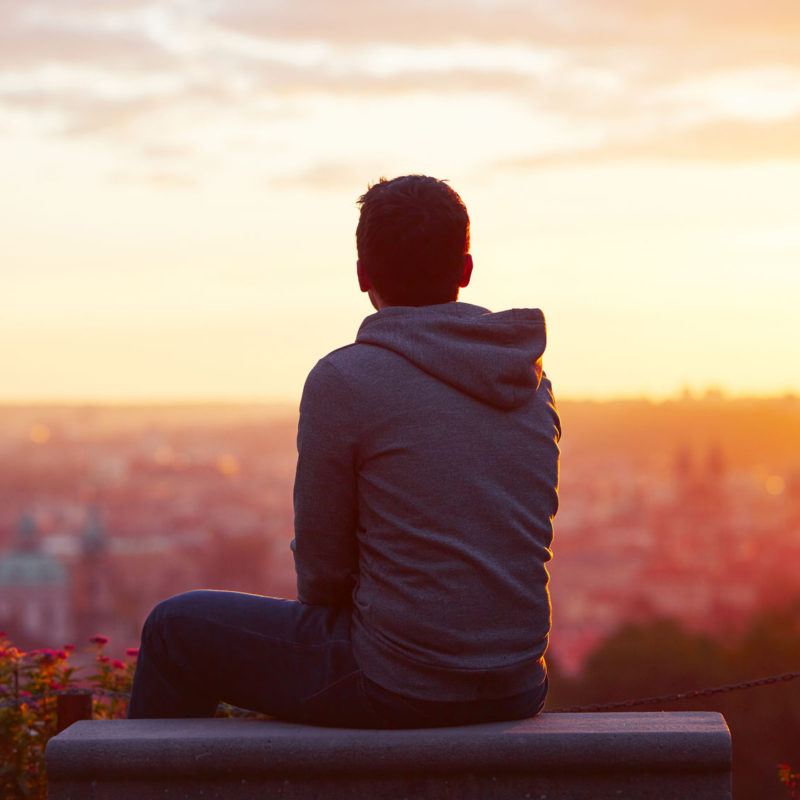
684,394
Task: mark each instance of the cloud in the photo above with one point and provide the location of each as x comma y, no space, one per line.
648,40
721,142
29,41
360,22
609,57
605,67
125,111
683,30
286,80
80,114
327,175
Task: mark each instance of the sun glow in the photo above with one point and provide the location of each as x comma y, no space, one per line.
184,184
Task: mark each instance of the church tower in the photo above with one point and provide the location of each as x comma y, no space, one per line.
35,605
94,598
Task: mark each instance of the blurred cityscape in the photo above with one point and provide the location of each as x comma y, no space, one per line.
687,508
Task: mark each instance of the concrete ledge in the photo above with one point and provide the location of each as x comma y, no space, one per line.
637,755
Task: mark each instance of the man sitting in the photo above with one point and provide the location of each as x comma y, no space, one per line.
424,497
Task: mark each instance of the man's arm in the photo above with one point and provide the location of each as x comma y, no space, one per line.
325,502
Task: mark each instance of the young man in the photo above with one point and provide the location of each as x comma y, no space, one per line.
425,492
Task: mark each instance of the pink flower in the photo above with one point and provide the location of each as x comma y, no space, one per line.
132,652
117,664
45,654
103,659
99,639
69,647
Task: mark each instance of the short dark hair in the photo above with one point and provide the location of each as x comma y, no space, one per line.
412,234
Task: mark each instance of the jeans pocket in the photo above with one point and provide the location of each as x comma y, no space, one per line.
394,710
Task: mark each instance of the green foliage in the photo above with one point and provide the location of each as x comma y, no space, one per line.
675,657
639,660
32,680
790,779
662,657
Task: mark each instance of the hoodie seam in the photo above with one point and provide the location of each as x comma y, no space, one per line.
351,402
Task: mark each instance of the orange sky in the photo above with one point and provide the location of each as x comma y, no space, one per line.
180,176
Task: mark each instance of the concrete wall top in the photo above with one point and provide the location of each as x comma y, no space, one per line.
635,742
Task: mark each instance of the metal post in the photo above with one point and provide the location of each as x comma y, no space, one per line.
71,708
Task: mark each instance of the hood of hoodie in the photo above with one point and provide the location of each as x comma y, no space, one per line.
495,357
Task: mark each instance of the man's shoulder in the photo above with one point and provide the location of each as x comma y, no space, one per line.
357,369
350,359
346,372
341,355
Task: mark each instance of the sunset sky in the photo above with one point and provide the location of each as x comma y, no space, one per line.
179,177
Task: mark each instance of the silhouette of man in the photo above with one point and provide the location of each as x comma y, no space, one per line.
424,497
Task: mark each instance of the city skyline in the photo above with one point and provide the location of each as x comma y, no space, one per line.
147,499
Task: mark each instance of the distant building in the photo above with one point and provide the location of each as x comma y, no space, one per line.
93,595
35,606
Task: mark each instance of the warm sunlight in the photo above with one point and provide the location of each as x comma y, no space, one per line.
181,183
258,467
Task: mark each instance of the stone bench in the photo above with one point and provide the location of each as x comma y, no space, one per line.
598,756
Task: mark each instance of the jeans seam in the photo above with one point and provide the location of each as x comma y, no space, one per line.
256,633
330,686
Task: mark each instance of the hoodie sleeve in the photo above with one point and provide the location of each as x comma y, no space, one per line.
325,503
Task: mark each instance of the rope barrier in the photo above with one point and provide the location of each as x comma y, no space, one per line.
676,696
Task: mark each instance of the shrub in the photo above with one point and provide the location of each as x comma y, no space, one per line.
790,779
29,686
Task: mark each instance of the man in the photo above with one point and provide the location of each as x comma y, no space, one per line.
425,492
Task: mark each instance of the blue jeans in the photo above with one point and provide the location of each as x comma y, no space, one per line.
284,658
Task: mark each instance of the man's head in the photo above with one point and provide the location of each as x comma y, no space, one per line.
413,242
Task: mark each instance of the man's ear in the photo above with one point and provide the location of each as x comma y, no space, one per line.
467,274
363,279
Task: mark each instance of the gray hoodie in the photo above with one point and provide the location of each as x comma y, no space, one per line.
426,487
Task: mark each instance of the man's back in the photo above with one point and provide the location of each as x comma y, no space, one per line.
426,489
426,486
